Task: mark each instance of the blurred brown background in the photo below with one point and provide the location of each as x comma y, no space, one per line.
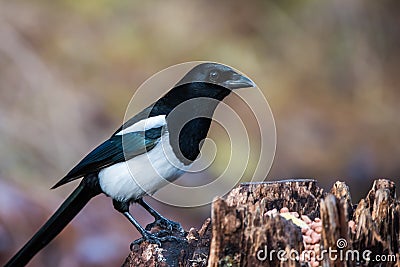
329,69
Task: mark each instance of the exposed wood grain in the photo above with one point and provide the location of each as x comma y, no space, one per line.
241,227
243,232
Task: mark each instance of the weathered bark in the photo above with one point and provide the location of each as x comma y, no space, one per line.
189,249
241,228
243,232
335,228
375,234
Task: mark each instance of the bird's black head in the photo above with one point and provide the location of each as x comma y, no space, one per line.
218,74
206,80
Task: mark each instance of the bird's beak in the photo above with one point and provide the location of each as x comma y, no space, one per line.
239,81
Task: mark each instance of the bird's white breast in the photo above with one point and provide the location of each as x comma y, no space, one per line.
143,174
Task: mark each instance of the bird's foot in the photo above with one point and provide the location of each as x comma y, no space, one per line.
155,238
166,224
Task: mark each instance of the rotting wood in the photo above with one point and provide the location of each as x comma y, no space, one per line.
243,232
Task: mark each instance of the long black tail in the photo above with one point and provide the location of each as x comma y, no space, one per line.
65,213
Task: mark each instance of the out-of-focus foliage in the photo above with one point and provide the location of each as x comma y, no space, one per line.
329,70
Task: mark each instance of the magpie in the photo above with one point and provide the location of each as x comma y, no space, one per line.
154,147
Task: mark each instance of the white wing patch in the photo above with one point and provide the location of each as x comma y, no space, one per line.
144,125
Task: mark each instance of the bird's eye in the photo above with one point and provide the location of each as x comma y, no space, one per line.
214,75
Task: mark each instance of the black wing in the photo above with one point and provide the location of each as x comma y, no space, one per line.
117,149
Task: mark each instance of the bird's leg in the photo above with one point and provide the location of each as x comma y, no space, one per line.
141,230
160,220
146,236
123,207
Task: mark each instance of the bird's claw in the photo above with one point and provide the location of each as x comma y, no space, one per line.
166,224
149,238
157,239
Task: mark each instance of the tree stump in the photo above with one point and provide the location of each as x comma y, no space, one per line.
251,227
